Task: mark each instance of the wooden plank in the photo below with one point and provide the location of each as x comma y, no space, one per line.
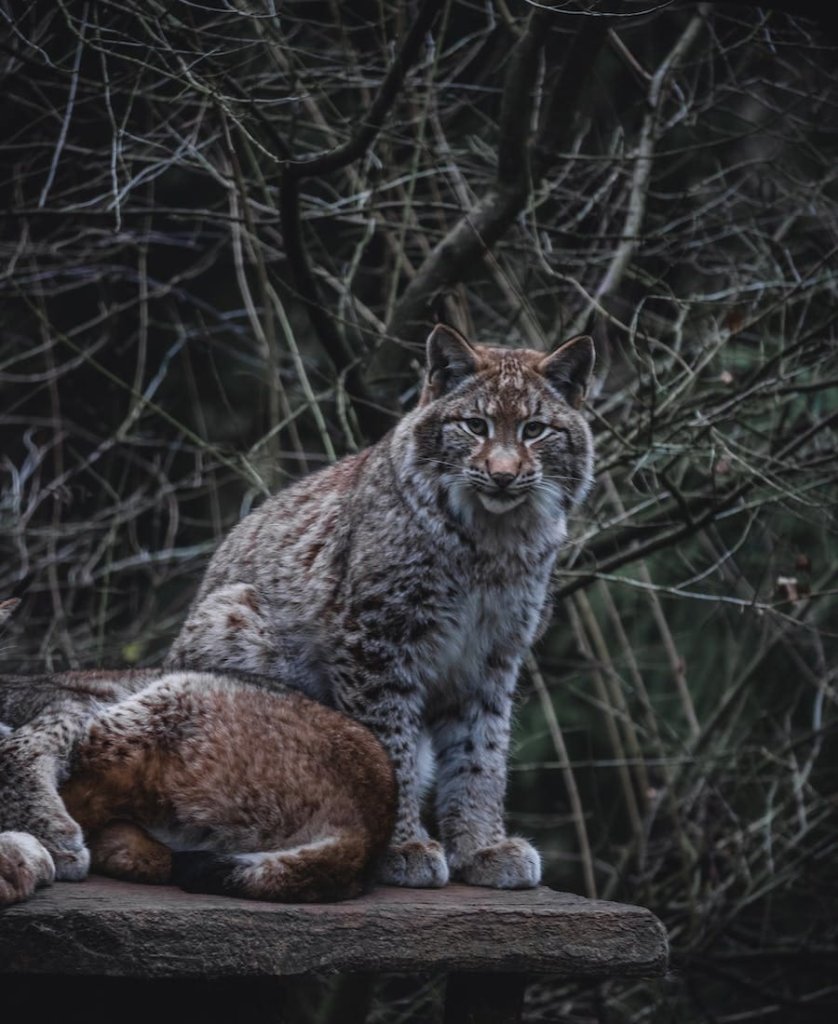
107,928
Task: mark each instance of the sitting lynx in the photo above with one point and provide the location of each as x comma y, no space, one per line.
209,781
414,576
424,563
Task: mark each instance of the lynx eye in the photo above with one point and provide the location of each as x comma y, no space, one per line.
476,426
534,429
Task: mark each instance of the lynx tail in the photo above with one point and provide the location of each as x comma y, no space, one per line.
334,868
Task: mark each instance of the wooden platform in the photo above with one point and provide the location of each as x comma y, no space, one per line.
102,929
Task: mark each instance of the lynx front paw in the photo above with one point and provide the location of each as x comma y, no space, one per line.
31,806
418,865
509,864
24,865
64,840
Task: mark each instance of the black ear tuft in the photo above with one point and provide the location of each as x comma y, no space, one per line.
570,367
450,360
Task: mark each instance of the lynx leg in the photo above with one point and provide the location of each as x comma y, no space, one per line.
24,865
52,713
124,850
413,859
32,761
471,743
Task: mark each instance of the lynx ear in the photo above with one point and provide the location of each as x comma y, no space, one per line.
450,360
570,367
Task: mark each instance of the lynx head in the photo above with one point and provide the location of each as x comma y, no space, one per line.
501,428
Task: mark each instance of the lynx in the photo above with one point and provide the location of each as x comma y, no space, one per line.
403,586
419,570
216,783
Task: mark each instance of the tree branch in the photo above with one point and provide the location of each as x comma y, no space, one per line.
373,418
824,14
519,165
718,503
355,147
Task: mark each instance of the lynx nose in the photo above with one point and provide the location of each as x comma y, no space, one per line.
502,480
503,466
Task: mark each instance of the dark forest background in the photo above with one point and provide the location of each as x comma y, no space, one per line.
226,230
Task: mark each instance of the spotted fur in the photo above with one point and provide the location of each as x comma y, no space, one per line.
419,570
209,781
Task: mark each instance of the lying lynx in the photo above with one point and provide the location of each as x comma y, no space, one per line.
208,781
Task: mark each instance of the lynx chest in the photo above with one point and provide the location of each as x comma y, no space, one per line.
481,631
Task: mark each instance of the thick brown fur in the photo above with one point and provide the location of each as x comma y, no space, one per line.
211,782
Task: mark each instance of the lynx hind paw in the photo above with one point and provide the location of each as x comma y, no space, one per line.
509,864
124,850
24,865
417,865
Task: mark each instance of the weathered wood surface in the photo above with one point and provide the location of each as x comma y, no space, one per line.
107,928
